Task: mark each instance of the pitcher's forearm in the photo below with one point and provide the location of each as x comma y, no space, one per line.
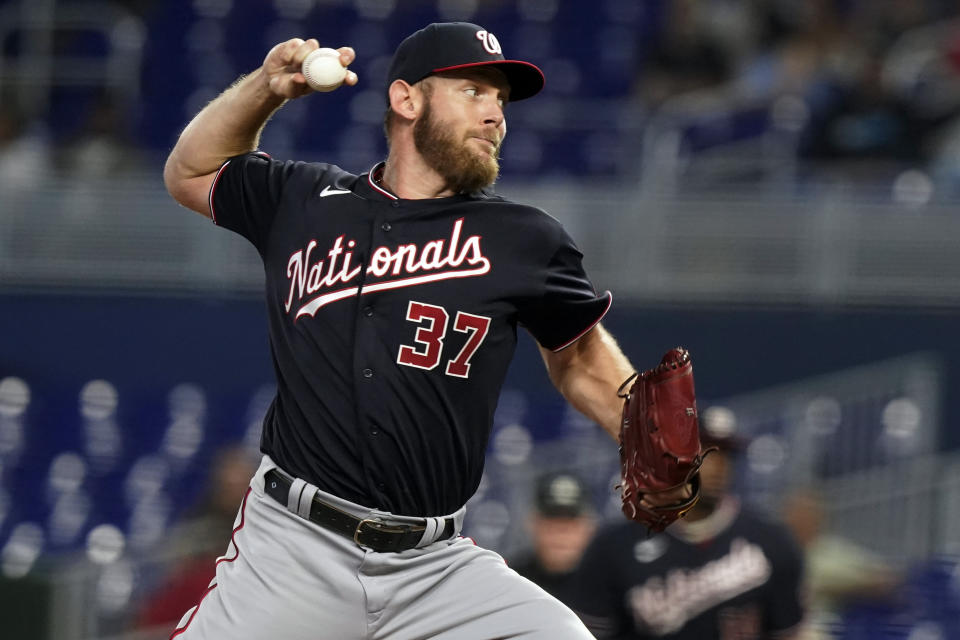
597,399
231,124
588,374
228,126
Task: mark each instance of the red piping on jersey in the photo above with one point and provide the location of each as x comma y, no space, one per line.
585,331
243,518
378,169
213,185
177,632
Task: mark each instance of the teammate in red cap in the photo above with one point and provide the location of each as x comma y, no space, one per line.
393,301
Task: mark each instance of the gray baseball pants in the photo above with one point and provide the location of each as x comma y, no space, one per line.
286,578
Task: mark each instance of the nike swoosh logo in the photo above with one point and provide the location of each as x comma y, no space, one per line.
327,191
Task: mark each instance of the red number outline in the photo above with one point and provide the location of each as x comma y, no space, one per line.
477,327
431,337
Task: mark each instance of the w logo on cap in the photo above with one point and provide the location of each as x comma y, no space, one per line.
490,42
448,46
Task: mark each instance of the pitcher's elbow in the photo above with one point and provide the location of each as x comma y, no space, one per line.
173,179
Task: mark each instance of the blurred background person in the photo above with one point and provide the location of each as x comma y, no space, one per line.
838,572
686,56
25,154
561,525
100,147
197,541
723,572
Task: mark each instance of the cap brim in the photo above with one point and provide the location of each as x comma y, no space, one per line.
525,79
563,512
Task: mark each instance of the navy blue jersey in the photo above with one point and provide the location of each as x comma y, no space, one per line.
561,586
741,582
392,323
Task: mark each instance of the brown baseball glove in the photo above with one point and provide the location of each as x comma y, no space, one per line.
659,439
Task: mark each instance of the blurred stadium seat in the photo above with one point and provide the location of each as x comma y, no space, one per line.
192,50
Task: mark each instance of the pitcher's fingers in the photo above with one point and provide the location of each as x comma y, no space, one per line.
289,48
347,56
351,78
303,51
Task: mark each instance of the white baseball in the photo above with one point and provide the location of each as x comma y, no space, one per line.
323,70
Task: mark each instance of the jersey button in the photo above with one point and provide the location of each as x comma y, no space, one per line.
395,204
368,311
367,373
374,432
386,226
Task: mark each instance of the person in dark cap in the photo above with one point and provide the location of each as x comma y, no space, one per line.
393,302
561,524
722,572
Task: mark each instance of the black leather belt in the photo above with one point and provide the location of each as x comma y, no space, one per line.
369,533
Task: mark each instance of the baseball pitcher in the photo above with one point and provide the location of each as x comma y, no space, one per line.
393,300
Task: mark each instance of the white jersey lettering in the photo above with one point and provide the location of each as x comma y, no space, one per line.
462,260
665,605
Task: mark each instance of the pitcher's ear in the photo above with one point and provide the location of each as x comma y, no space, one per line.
406,100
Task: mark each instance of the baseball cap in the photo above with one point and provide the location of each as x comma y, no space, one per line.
561,494
445,46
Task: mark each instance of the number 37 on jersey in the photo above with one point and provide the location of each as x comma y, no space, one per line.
433,322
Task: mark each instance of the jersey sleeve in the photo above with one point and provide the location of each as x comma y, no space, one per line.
569,305
246,194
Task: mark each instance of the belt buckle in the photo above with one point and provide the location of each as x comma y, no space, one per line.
376,525
380,527
357,531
